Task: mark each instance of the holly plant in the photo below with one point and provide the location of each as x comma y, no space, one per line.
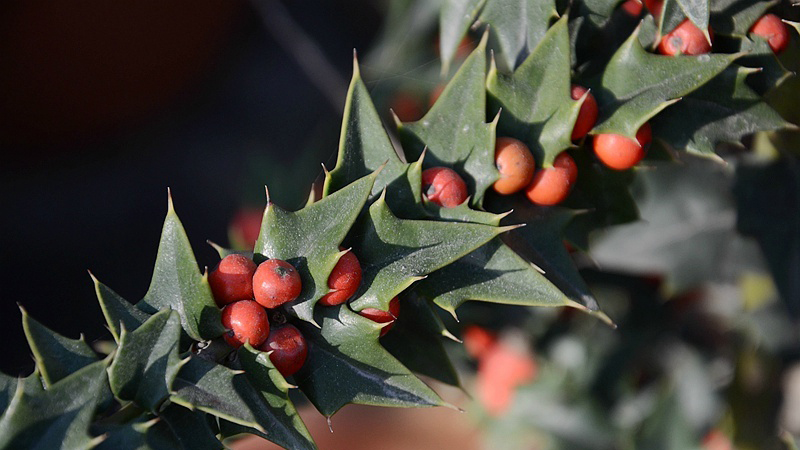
351,298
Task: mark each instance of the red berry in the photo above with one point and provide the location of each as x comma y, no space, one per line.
289,349
276,282
406,107
551,186
232,279
772,28
247,321
381,316
685,39
654,6
478,340
587,116
244,228
444,187
515,164
435,93
343,280
620,152
632,8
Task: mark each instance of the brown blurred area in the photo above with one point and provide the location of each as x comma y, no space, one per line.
73,71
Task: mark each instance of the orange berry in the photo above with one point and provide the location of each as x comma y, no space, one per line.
381,316
772,28
343,280
655,7
500,371
551,186
276,282
444,187
620,152
685,39
515,164
478,340
232,279
587,116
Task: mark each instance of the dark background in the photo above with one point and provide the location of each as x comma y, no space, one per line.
106,104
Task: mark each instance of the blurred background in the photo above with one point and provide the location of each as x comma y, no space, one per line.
106,105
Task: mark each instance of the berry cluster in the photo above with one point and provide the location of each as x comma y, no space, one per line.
551,185
250,296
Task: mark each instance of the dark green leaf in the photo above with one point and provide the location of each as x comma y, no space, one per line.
190,428
147,361
117,311
309,238
724,110
56,356
364,146
636,85
288,428
516,27
537,107
454,131
455,19
57,418
178,284
229,394
674,12
347,348
673,232
146,433
394,253
768,71
493,273
416,341
768,206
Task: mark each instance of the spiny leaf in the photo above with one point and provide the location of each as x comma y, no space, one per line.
768,71
10,385
541,242
454,131
117,311
145,433
394,252
704,118
364,145
636,85
674,12
347,348
288,428
178,284
454,20
416,341
516,26
493,273
56,418
190,428
229,394
309,238
536,104
737,16
56,356
147,361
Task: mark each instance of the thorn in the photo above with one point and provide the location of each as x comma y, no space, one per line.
324,169
446,333
356,70
502,216
397,122
170,205
266,190
330,425
511,227
538,269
